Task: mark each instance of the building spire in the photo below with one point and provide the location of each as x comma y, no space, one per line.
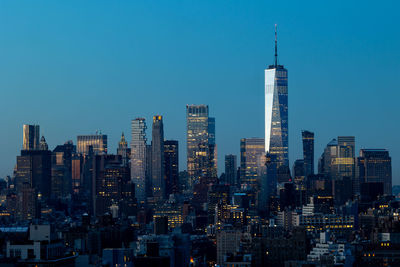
276,47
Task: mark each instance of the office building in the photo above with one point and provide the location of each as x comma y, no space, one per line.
34,169
61,170
138,158
31,134
308,152
111,179
157,158
276,111
252,154
231,169
201,147
338,160
123,150
375,166
97,141
171,166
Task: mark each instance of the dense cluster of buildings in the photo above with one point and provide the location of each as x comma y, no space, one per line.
80,205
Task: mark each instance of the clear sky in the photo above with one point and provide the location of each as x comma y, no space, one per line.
75,67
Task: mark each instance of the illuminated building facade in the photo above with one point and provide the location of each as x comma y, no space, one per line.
123,150
201,147
111,179
138,158
172,211
252,153
31,135
276,111
338,159
98,142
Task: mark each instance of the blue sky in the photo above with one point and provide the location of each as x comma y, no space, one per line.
75,67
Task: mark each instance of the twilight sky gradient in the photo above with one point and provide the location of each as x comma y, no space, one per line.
77,66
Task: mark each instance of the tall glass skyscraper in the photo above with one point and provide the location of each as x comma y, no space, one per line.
157,158
276,111
201,147
31,137
138,158
308,152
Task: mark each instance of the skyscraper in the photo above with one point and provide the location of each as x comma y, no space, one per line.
157,158
375,166
31,135
123,150
97,141
252,152
338,160
231,169
171,163
138,158
212,147
308,152
201,147
276,111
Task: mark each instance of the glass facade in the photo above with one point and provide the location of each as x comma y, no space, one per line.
231,169
31,137
375,166
252,152
98,142
308,152
138,158
157,158
201,147
171,166
276,113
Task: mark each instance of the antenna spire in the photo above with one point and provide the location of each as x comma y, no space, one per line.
276,47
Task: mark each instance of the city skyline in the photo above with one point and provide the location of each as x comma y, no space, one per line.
171,134
321,92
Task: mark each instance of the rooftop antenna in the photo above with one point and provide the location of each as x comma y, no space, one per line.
276,47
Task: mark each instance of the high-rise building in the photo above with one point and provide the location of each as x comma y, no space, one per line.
111,178
276,111
138,158
97,141
375,166
201,147
337,160
157,158
308,152
171,166
61,169
212,145
123,150
346,153
252,153
34,169
31,134
231,169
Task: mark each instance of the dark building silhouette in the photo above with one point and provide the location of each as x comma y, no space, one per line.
110,179
308,152
61,170
231,169
34,168
157,158
375,165
171,166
